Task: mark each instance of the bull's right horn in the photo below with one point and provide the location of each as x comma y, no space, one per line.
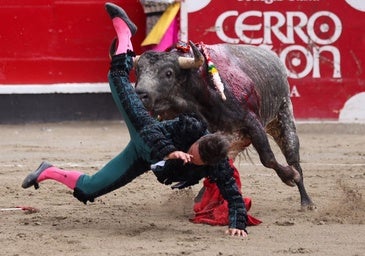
197,61
135,60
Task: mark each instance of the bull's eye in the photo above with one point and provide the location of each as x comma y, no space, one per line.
168,73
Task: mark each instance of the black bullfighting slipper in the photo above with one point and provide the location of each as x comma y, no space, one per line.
31,179
115,11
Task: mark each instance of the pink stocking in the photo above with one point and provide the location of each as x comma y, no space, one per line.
68,178
124,35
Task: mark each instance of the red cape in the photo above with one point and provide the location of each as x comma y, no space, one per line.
212,209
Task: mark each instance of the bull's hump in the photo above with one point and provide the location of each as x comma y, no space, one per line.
244,66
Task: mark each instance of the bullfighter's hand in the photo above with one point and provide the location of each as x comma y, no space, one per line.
180,155
236,232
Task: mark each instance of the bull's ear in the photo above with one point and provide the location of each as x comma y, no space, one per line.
197,61
135,60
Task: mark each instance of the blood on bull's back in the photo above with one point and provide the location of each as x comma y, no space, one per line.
248,70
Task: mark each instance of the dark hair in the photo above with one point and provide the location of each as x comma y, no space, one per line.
213,148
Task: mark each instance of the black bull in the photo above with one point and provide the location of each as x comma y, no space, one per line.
255,99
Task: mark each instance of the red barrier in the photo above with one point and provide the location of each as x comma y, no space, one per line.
56,41
321,42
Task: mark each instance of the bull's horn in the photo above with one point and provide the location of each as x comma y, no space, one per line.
197,61
135,60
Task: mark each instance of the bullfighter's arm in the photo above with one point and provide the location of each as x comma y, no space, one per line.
237,214
179,133
138,119
156,138
136,116
175,171
129,104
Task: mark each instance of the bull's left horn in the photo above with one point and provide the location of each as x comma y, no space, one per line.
197,61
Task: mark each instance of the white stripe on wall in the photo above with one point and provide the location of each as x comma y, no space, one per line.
55,88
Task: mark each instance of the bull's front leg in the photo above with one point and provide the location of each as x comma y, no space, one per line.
259,140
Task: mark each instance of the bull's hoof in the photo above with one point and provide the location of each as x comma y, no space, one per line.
311,207
289,175
290,183
307,205
296,176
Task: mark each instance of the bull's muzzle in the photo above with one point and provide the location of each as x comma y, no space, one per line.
144,97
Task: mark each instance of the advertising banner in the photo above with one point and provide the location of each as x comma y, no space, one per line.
321,43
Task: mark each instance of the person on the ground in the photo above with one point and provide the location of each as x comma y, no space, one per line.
179,150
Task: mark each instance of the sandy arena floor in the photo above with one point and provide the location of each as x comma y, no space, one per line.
147,218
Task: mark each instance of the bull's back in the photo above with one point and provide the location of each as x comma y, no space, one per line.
245,66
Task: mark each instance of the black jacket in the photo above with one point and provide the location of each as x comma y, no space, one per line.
182,132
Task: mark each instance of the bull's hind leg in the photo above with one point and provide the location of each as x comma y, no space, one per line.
283,130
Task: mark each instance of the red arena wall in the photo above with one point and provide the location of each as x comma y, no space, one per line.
55,41
322,44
